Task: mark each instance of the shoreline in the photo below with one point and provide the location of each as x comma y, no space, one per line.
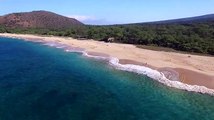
193,77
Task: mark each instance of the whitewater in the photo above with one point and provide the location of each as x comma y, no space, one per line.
151,73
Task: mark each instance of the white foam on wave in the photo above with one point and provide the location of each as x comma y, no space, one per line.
63,46
154,74
52,44
95,57
158,76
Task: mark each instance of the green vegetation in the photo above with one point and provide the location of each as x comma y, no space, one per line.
195,37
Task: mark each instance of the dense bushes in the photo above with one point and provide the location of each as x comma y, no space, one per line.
198,37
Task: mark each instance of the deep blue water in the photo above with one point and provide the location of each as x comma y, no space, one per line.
38,82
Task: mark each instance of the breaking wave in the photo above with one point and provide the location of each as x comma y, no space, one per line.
151,73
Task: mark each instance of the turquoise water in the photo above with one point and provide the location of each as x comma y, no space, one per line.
38,82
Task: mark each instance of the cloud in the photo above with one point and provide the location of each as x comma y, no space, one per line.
82,17
90,20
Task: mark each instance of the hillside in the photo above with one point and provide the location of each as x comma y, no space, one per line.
37,19
197,19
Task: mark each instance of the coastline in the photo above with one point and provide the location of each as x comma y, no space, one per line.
179,68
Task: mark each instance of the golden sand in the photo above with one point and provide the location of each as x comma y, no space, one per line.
193,69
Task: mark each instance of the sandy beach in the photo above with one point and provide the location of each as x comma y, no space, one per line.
190,69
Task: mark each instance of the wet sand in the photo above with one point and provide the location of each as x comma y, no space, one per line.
195,78
98,54
190,69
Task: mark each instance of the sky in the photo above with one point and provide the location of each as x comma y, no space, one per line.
102,12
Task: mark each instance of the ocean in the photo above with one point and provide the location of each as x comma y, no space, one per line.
39,82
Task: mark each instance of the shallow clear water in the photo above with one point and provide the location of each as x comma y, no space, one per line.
38,82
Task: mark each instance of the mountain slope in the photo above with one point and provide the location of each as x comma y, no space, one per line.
189,20
37,19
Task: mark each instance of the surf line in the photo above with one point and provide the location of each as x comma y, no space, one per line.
151,73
